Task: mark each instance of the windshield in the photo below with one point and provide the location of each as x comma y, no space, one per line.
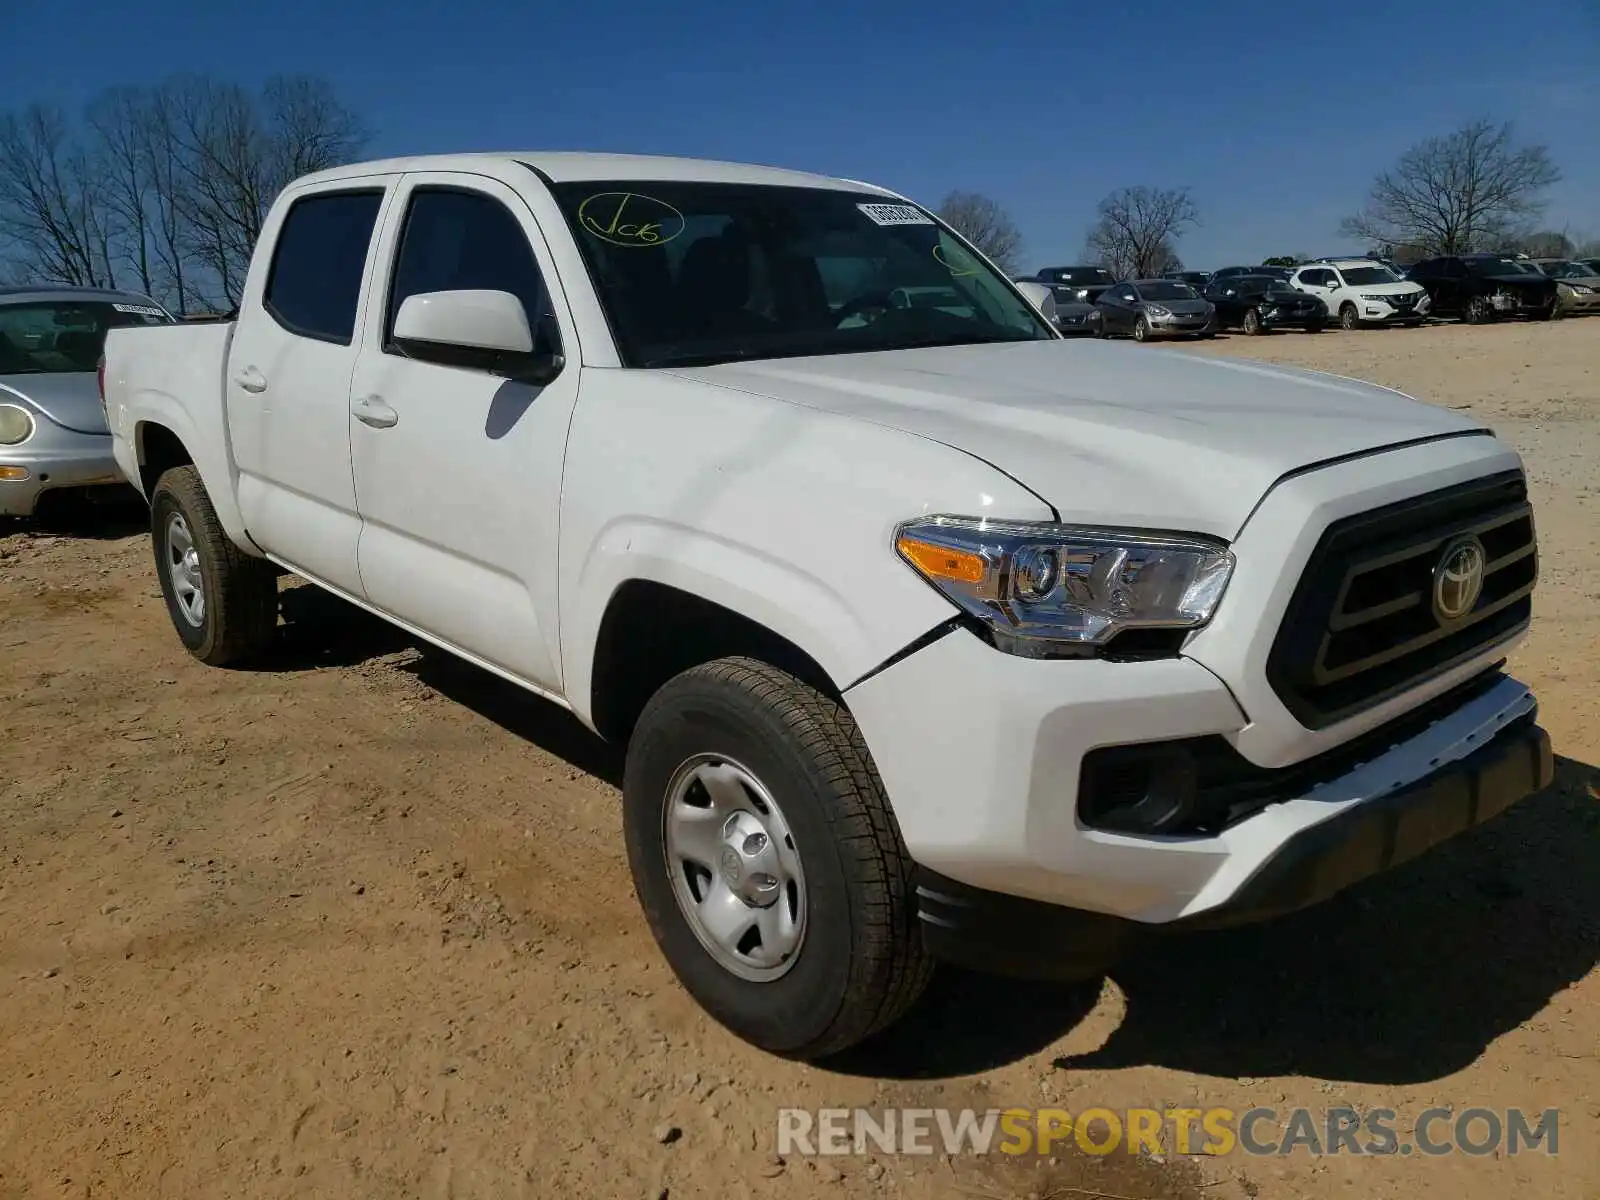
1166,289
1356,276
1567,270
700,273
1499,266
60,337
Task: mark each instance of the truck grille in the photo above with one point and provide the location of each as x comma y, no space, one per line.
1364,623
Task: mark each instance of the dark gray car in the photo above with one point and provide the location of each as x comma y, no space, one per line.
53,432
1147,308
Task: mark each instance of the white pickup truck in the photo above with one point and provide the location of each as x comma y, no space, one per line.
930,634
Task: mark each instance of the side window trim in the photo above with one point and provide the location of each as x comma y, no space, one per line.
378,190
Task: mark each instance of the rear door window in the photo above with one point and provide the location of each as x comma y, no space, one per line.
314,286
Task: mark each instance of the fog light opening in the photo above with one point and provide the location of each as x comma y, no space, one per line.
1138,789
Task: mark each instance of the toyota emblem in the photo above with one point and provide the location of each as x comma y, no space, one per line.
1458,580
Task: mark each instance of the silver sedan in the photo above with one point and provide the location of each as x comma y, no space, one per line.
53,433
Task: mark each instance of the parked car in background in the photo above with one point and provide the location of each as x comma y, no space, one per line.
53,436
926,637
1485,287
1577,284
1226,272
1072,315
1147,308
1592,263
1087,283
1195,279
1261,303
1362,291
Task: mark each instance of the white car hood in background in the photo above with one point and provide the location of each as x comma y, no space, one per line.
1152,438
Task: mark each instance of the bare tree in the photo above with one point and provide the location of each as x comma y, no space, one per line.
985,224
1546,243
1137,229
168,186
51,219
1473,189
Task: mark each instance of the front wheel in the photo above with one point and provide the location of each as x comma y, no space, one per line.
1253,324
768,862
1479,311
1141,329
1349,318
222,601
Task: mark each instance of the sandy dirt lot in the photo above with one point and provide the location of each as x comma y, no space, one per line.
360,924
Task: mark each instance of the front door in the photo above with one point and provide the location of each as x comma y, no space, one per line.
288,381
458,471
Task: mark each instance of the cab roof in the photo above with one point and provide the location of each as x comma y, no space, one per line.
565,167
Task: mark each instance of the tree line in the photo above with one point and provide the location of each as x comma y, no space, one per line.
1476,189
162,189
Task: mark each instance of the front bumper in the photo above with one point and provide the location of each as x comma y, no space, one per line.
1183,326
1003,934
981,754
1383,313
1574,303
55,458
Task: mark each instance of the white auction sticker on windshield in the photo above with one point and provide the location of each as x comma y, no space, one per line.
141,309
895,214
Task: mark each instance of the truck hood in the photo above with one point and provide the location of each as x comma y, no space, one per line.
69,399
1106,433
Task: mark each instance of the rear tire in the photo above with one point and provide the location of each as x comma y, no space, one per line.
735,760
222,601
1316,327
1349,318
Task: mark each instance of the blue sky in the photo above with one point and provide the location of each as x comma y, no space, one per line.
1275,114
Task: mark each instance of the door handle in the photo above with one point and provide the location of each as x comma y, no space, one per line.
250,379
371,410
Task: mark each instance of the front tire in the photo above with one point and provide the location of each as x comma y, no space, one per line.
1253,324
768,862
222,601
1349,318
1479,311
1141,329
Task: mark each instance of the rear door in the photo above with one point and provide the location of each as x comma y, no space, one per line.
458,471
288,378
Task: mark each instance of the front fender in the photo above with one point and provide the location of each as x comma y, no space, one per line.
782,514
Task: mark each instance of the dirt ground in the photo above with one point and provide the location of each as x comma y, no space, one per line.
360,924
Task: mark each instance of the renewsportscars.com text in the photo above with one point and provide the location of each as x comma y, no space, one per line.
1218,1131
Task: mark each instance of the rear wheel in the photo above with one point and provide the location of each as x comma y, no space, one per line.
222,601
1349,318
1316,327
767,860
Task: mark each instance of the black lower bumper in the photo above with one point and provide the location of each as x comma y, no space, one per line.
1008,935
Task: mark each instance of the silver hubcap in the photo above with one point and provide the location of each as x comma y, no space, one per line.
183,569
734,868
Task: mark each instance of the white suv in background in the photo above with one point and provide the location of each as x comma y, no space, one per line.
1360,291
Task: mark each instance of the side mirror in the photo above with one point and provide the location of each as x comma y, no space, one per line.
479,329
1040,297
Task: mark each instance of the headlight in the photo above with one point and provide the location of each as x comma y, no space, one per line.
1158,310
1581,290
1383,296
16,425
1046,590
